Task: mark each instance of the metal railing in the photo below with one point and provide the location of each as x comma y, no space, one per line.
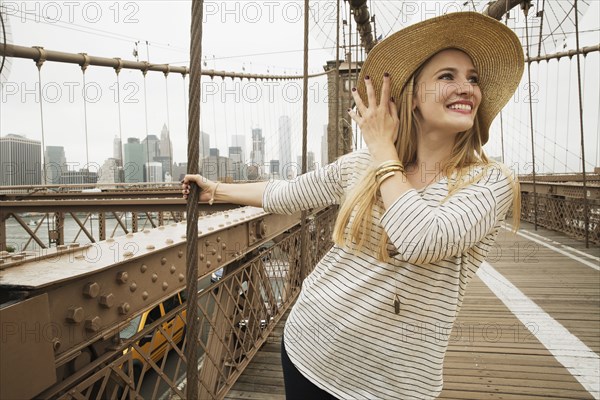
236,312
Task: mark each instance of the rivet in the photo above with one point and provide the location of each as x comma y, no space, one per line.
221,225
208,264
213,251
165,286
110,240
219,258
128,254
163,261
144,295
92,324
224,246
124,308
183,236
226,215
181,277
174,224
62,247
173,269
199,233
146,230
133,287
129,235
169,241
143,268
210,228
75,314
150,247
79,257
161,228
201,257
154,277
122,277
180,253
107,300
55,344
207,243
243,211
91,290
218,239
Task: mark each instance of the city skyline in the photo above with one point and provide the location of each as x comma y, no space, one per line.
150,159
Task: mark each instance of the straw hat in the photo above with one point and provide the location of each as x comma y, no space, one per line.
494,49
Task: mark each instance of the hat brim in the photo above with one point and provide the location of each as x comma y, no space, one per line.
495,50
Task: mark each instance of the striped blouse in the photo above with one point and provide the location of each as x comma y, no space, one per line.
343,333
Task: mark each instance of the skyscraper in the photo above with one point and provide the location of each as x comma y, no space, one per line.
285,147
20,161
239,141
133,153
118,150
257,156
151,145
166,149
204,144
56,164
237,161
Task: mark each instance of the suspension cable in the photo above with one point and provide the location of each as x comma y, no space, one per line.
193,149
121,172
84,66
39,64
585,198
525,5
169,149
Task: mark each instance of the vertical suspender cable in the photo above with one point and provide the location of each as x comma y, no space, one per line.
338,100
502,136
39,64
87,156
121,156
170,150
525,6
193,155
146,168
303,224
583,175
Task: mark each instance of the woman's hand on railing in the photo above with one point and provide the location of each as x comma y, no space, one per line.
207,187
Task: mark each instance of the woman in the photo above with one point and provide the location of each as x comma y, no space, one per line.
420,209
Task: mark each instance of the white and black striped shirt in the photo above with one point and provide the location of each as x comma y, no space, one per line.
343,333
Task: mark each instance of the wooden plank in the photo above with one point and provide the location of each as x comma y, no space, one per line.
491,354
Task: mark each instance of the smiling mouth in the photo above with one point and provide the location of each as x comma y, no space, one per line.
460,107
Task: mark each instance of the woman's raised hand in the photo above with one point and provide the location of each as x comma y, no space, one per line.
207,186
378,122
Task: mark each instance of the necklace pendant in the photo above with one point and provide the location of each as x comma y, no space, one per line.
397,305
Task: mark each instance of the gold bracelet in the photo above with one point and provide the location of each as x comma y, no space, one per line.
384,177
385,170
389,163
212,198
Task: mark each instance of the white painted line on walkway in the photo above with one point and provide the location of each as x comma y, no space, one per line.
561,251
568,350
564,246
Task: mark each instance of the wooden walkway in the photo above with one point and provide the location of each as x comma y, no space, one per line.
492,353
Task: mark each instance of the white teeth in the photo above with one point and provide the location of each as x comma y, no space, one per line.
460,107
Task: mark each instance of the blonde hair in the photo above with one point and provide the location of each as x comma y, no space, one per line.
467,153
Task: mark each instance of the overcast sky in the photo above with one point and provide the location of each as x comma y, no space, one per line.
260,37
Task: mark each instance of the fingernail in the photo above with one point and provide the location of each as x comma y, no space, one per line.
386,74
392,98
367,77
354,89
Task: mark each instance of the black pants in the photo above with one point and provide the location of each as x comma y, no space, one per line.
297,387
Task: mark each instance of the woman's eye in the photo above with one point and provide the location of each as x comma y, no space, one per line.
474,79
446,76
